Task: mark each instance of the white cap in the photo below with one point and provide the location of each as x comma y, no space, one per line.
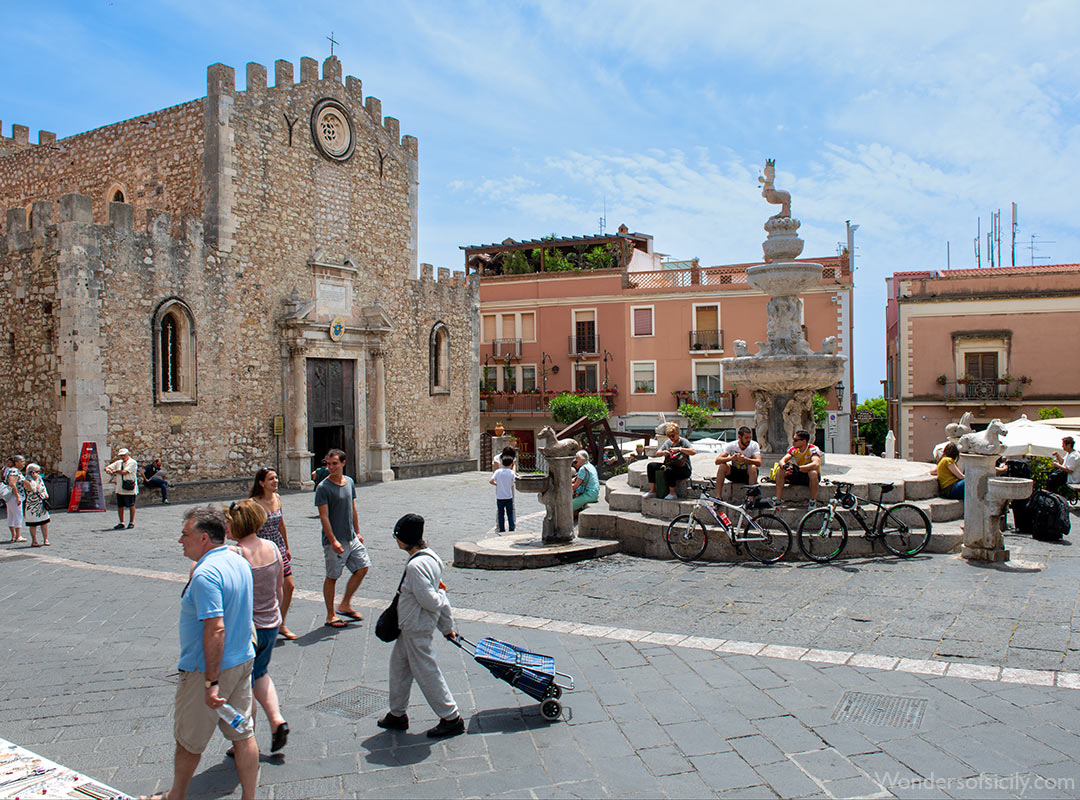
123,451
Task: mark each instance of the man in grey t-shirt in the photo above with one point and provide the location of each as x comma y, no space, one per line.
342,544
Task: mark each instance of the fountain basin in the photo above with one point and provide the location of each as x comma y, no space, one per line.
784,278
531,483
1001,490
784,373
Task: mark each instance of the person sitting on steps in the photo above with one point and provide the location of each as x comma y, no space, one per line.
739,461
676,452
800,466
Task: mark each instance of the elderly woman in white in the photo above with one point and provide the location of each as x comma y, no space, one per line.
422,607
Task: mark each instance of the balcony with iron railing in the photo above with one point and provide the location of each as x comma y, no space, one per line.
502,348
1006,391
530,402
707,340
584,345
711,401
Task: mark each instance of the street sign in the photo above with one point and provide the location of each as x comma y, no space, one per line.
864,416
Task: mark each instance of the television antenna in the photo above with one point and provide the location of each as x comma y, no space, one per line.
1033,247
603,218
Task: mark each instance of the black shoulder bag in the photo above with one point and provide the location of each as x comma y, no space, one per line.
386,627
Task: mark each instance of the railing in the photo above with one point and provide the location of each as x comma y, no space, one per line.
500,348
972,390
528,402
695,277
583,345
706,340
711,401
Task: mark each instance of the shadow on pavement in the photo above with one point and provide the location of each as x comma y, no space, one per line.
316,635
508,720
219,780
397,748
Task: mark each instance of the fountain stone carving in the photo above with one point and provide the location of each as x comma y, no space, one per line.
785,372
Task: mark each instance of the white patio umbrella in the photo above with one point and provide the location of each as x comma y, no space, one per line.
708,445
1025,437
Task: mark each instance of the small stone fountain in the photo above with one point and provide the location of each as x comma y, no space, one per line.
784,374
986,494
555,488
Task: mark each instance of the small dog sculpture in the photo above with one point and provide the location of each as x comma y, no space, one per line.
555,448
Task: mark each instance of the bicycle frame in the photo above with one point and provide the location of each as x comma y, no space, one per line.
845,488
712,504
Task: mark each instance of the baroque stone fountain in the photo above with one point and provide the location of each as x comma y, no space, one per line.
784,374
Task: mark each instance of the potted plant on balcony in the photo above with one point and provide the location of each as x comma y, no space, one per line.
942,380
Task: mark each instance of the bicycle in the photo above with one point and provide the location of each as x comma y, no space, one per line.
903,528
767,538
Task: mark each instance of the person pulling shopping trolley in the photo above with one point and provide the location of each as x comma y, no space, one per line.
422,606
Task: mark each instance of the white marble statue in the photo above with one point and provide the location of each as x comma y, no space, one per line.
771,193
984,443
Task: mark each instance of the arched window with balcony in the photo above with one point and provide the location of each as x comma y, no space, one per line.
174,353
439,359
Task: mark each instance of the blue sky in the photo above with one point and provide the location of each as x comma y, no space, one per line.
911,120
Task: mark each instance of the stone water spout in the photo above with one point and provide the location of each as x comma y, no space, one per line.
555,488
785,372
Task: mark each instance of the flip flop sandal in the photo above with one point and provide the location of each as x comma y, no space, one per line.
351,614
337,623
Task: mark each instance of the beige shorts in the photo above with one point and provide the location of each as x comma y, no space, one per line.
194,720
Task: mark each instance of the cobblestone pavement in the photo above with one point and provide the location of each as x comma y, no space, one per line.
88,647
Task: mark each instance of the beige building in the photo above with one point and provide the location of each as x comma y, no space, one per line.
997,342
231,283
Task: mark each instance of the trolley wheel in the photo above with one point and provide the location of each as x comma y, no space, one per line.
554,691
551,710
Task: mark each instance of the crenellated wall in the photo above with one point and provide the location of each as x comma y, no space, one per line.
235,210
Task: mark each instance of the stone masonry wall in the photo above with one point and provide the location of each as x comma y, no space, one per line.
155,158
28,340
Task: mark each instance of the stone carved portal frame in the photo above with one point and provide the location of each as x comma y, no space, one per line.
363,344
174,350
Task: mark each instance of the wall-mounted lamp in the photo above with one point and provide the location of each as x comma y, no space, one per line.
839,389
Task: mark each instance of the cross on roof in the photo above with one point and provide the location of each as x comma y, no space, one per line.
333,41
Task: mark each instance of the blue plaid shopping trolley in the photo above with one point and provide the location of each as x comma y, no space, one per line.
532,673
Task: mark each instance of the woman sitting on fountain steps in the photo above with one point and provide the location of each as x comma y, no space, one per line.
676,452
950,478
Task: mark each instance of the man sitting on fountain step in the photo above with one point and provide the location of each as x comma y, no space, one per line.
738,462
800,466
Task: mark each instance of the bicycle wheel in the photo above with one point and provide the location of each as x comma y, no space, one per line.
905,530
686,537
768,539
822,535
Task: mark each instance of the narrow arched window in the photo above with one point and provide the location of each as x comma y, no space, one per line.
439,359
118,196
174,353
170,354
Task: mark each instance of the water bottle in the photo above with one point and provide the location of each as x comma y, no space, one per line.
234,718
724,519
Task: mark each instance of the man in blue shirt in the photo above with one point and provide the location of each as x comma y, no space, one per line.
215,651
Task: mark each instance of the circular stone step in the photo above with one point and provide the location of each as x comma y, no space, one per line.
528,551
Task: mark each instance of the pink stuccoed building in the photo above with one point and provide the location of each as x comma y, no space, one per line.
607,315
998,342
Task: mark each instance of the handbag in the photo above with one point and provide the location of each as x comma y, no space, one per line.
386,626
127,486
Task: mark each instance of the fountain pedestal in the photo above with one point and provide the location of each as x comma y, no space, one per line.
985,501
558,500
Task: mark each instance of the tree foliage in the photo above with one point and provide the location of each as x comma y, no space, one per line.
1050,412
821,409
874,431
567,408
696,417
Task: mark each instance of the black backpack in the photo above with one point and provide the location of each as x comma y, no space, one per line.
1018,468
1048,516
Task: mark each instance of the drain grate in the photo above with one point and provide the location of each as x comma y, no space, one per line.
355,703
880,709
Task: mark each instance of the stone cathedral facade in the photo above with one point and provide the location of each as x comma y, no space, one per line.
232,283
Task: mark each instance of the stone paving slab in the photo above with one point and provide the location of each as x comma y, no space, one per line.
647,718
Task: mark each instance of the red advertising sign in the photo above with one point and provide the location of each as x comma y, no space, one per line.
88,493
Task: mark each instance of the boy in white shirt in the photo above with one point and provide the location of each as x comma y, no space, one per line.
503,481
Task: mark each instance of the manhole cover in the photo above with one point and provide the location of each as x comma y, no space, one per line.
354,703
880,709
19,557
